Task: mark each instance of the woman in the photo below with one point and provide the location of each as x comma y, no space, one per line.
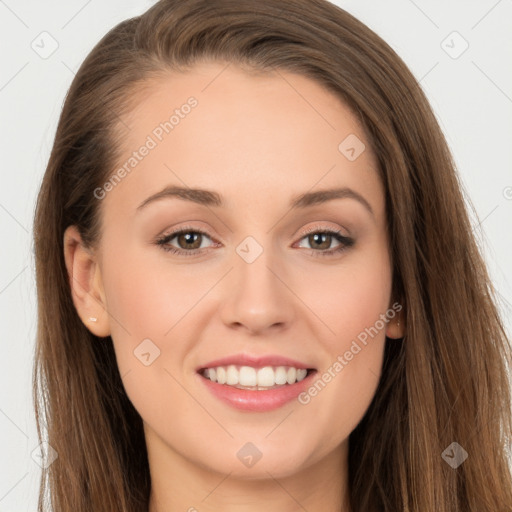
196,349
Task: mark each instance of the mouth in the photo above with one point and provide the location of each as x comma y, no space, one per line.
255,379
257,385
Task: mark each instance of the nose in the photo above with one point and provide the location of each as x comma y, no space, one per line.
257,297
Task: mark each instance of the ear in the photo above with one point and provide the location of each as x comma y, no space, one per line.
395,328
85,283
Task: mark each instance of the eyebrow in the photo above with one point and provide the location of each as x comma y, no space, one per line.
210,198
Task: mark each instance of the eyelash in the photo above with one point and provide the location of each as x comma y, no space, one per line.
345,242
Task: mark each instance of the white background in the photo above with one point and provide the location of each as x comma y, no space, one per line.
471,95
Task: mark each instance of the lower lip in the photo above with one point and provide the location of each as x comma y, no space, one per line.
254,400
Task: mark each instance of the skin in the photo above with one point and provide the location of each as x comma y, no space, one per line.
258,141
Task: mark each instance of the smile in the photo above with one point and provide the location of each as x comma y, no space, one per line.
248,377
256,384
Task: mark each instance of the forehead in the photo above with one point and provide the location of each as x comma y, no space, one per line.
220,127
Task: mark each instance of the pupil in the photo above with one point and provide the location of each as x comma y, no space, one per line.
320,235
189,238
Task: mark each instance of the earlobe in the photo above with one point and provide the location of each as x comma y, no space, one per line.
85,283
396,328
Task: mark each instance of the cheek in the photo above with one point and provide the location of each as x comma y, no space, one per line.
352,298
138,303
145,299
143,306
353,305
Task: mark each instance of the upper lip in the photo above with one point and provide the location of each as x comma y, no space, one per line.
255,361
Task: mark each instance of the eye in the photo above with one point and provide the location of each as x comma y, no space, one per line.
189,241
322,239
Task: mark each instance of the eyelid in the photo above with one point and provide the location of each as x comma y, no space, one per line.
184,229
322,227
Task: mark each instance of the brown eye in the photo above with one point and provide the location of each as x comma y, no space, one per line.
320,242
188,242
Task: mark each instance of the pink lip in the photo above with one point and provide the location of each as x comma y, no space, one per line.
254,400
255,362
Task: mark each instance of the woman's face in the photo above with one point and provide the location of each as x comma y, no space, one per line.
253,286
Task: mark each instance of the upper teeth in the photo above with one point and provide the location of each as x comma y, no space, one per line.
267,376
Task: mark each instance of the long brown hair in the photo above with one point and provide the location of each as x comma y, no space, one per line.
445,382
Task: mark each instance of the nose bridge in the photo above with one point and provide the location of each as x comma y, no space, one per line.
257,296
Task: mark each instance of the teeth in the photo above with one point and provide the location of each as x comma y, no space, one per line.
247,376
221,375
232,378
253,378
280,375
266,377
